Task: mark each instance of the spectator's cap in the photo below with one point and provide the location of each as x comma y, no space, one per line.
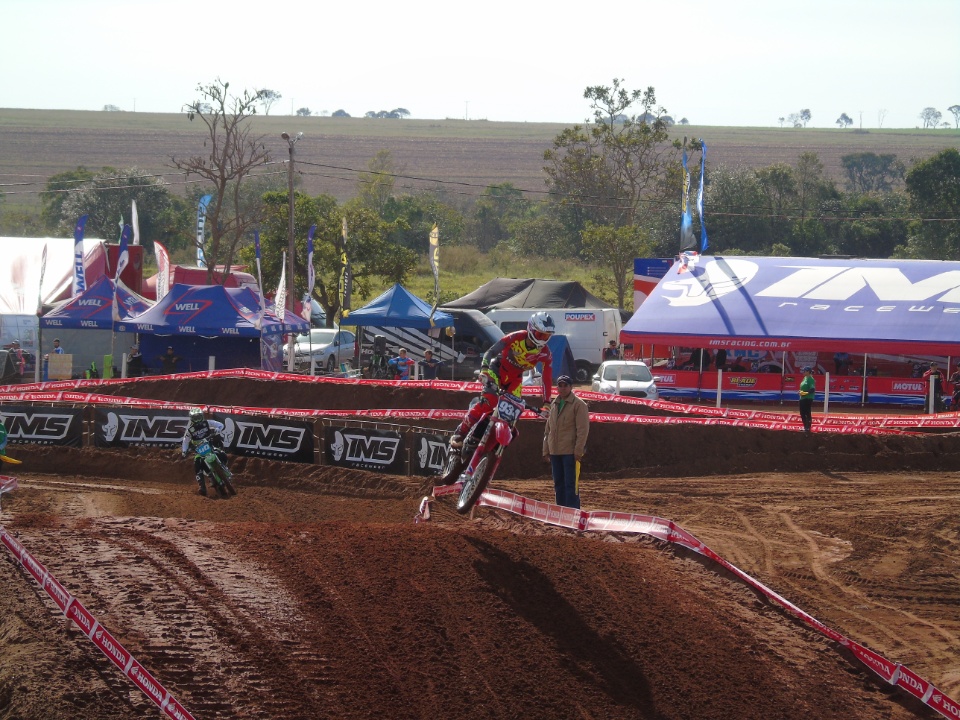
169,347
564,380
613,343
56,339
807,368
933,364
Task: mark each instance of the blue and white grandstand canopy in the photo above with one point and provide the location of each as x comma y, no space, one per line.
93,308
212,311
790,304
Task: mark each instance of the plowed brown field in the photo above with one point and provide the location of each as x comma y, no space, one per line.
312,594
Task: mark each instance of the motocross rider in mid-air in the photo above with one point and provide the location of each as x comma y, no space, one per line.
503,366
199,429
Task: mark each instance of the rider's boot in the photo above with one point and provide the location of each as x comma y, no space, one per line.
202,483
456,440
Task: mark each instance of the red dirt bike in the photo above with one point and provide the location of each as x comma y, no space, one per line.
476,462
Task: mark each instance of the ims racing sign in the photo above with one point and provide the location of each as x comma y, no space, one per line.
43,425
364,449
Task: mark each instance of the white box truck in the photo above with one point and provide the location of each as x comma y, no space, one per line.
588,331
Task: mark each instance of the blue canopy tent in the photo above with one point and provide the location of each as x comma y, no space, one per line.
84,324
398,307
200,321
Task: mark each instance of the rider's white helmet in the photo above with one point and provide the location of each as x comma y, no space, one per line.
196,416
539,328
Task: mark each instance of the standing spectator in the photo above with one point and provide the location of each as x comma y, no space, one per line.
57,350
808,390
134,362
611,352
565,441
430,366
19,361
168,361
721,359
402,364
936,377
841,361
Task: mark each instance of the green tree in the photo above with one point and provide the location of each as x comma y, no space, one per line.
955,111
267,99
930,116
613,250
375,187
869,172
494,211
844,121
805,116
371,255
735,211
542,235
873,224
58,189
607,172
413,217
107,197
233,153
934,189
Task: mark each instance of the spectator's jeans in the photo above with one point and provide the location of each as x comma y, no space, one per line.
564,469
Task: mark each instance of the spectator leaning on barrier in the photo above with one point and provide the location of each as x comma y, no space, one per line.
429,366
808,389
565,441
402,364
169,360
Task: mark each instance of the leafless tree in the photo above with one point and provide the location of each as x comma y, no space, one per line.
233,154
881,116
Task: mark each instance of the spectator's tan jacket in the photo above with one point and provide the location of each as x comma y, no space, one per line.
566,431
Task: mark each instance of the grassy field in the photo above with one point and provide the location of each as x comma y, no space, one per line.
461,156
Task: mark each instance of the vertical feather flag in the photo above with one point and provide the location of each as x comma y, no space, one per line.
346,280
79,279
163,270
280,299
256,244
201,222
43,270
311,276
435,266
686,222
703,227
122,260
135,222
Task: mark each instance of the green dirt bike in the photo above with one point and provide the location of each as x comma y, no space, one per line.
219,474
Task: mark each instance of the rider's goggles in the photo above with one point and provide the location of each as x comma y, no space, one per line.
541,336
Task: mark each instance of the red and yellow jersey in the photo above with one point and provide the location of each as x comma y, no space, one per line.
514,354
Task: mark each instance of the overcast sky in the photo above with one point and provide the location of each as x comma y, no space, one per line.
739,62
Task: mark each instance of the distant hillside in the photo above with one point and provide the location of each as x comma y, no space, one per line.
467,154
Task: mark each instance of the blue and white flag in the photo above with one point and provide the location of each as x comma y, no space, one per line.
686,222
311,276
201,221
280,299
79,279
256,245
703,227
43,270
135,222
122,260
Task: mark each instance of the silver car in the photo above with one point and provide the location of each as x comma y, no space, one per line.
328,348
630,378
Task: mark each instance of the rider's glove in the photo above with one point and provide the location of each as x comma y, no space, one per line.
183,453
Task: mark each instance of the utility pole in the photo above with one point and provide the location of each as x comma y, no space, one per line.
290,297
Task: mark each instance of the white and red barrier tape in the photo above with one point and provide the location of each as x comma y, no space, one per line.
74,610
668,531
67,392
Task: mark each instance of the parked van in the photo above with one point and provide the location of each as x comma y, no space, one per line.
588,331
461,351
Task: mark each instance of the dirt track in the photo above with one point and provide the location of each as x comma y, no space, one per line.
312,593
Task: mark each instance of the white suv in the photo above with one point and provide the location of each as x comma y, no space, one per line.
327,347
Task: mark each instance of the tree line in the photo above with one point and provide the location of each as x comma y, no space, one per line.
614,189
